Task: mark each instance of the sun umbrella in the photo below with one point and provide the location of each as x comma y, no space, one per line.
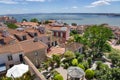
17,70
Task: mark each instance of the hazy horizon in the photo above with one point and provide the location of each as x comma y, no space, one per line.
55,13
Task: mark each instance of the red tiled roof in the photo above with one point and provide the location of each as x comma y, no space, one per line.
24,46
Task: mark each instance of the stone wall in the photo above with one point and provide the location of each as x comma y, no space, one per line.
37,57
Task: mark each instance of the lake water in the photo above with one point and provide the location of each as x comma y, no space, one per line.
73,18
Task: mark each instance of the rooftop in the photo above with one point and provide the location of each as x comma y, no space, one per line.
59,28
56,50
30,24
24,46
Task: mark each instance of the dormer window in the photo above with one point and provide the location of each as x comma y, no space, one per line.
24,38
2,42
35,34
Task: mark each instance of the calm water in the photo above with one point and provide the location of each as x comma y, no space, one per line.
75,17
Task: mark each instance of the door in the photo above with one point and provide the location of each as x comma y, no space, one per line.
21,57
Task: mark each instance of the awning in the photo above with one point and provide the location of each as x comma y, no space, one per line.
2,67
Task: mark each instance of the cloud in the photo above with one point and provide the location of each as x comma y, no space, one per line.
74,7
20,1
100,3
37,0
8,2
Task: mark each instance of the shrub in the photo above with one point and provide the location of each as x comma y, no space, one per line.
69,54
24,20
34,20
98,64
54,72
89,74
74,24
115,58
85,64
80,57
47,22
66,65
11,25
81,66
74,62
58,77
89,61
104,66
56,58
73,32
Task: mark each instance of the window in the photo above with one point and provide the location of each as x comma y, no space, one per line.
57,34
53,33
35,34
48,38
36,53
10,57
24,37
52,43
61,34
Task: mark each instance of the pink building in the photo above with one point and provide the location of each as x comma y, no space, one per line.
62,33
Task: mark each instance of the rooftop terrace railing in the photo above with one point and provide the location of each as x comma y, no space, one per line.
34,69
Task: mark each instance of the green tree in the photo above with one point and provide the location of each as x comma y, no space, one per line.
69,54
74,24
115,73
89,74
108,74
89,61
85,64
97,37
73,32
34,20
99,63
24,20
11,25
78,38
81,66
80,57
65,24
39,22
47,22
66,65
57,59
58,77
115,58
74,62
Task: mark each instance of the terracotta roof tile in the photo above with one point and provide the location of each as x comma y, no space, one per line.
73,46
13,48
30,45
31,24
56,50
24,46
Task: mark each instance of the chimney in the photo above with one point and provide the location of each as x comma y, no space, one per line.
36,39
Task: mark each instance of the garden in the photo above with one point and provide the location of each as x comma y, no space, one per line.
93,61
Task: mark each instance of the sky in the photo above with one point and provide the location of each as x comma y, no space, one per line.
59,6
